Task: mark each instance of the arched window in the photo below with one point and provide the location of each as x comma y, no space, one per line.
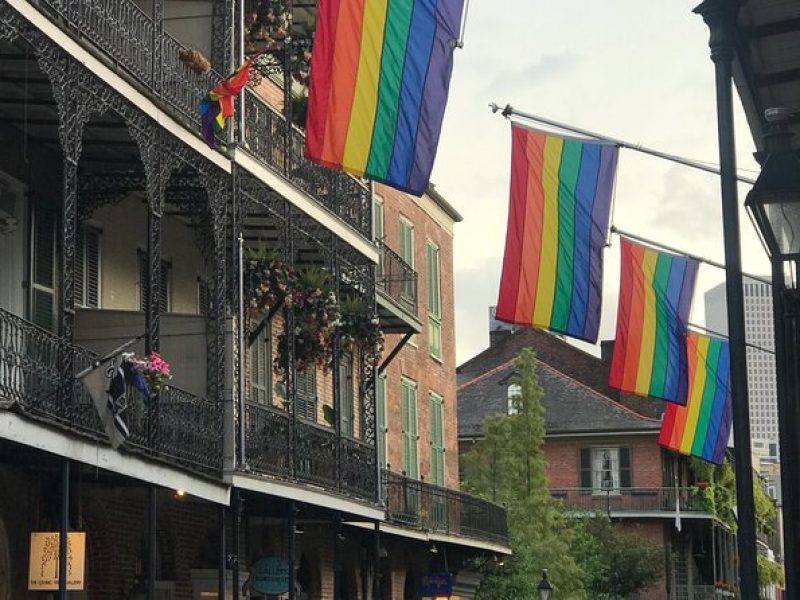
514,392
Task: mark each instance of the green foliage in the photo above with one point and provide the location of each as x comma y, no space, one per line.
720,493
615,563
769,572
508,466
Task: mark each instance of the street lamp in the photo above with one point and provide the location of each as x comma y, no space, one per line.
544,587
774,202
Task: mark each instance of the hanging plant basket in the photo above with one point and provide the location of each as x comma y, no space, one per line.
316,316
268,282
360,331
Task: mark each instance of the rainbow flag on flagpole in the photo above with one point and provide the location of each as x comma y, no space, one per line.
561,192
701,428
380,73
654,301
217,105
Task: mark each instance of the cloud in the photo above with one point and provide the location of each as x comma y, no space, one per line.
547,68
476,290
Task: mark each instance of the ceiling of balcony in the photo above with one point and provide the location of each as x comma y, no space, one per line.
767,72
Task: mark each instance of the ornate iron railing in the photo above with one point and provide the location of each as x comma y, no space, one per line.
699,592
298,450
266,134
397,279
414,503
130,37
633,500
36,376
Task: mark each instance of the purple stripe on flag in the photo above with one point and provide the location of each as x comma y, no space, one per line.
681,322
724,433
599,228
434,95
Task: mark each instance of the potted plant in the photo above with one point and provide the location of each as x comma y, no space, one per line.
360,330
268,281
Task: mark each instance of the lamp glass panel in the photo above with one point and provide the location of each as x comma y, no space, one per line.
783,215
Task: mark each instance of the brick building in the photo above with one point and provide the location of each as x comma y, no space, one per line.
603,456
260,468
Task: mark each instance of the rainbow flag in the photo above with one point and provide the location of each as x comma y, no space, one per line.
217,105
557,222
701,428
654,302
380,73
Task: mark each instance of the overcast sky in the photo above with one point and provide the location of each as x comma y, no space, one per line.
632,69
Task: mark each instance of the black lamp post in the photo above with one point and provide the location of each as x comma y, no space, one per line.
774,202
544,587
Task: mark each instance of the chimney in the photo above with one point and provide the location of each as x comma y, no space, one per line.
606,350
496,336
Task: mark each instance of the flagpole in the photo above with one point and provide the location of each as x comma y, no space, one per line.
660,246
110,355
510,111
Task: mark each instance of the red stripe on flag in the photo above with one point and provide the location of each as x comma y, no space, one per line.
633,349
320,74
668,426
616,375
534,219
515,230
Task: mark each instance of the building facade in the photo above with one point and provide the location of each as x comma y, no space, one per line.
761,382
260,468
603,458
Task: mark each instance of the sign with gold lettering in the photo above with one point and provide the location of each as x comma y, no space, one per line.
43,565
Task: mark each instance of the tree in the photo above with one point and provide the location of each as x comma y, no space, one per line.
508,466
615,563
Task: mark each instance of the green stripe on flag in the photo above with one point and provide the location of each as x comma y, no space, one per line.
709,391
661,346
567,184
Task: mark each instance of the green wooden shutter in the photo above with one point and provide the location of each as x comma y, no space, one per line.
586,468
346,408
306,393
43,267
410,459
380,394
436,439
625,478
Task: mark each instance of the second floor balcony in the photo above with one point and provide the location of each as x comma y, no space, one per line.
634,502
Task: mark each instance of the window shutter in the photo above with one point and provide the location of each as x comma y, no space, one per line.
586,468
381,408
80,273
92,267
346,409
306,394
625,479
43,268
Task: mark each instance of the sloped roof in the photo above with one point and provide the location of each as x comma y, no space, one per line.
569,406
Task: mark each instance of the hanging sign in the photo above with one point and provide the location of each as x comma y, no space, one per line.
43,565
270,576
436,585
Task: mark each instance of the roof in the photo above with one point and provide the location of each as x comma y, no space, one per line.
443,204
767,66
569,406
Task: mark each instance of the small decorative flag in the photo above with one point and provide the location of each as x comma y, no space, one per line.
654,302
217,105
107,385
557,222
380,73
701,428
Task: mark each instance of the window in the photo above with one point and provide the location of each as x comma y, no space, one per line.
380,401
436,441
409,423
261,367
432,266
514,391
43,267
87,268
605,470
346,408
306,394
164,304
407,254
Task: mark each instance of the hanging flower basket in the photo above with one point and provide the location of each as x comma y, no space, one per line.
316,316
153,369
360,330
268,281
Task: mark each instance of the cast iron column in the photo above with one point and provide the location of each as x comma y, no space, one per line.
221,576
63,547
720,16
237,523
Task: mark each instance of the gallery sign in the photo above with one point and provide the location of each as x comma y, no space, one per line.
436,585
270,576
43,564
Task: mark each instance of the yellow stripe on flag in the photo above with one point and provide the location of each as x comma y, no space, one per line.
362,116
695,396
649,317
546,285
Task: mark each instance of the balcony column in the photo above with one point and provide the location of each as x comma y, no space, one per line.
376,561
222,14
239,454
157,7
336,356
292,523
287,91
721,17
63,559
288,320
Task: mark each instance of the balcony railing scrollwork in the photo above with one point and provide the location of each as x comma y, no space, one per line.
414,503
634,500
397,279
179,427
306,452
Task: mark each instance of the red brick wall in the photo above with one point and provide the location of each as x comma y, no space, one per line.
563,459
415,362
653,531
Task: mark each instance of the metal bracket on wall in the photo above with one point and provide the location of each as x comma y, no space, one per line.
394,352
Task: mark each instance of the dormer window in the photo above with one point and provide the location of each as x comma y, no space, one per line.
514,392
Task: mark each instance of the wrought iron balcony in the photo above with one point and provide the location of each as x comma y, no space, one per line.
36,378
631,500
420,505
397,279
301,451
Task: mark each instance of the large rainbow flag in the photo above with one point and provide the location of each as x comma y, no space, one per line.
380,73
557,222
654,302
701,428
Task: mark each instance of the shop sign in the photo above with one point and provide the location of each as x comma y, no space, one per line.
270,576
436,585
43,564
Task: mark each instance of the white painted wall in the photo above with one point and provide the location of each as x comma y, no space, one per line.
13,244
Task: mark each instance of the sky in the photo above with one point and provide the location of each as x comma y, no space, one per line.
634,70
